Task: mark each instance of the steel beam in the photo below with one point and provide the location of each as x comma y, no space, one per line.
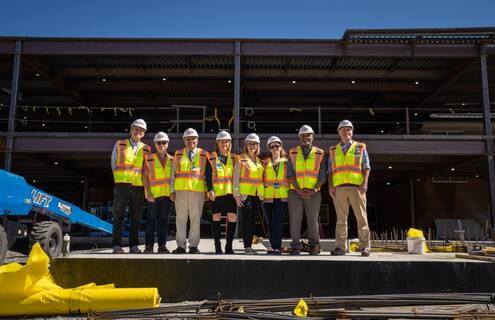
13,104
237,93
488,130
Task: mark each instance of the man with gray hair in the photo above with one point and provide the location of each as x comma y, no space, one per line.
348,172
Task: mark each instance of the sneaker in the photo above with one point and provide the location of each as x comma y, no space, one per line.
179,250
135,250
277,252
270,251
314,251
365,252
194,250
218,248
118,250
162,249
337,252
148,249
295,251
249,251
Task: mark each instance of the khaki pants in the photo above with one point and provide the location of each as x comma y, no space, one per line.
343,197
188,205
311,207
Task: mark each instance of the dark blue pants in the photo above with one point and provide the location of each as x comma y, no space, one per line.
274,216
125,194
157,219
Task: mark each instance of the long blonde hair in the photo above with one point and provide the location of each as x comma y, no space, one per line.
230,146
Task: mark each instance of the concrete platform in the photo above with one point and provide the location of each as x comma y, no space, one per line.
262,276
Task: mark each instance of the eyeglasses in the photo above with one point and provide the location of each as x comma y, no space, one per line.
273,146
161,143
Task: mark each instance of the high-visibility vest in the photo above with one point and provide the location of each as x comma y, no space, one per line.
306,170
190,176
159,175
347,169
251,179
222,174
276,182
129,166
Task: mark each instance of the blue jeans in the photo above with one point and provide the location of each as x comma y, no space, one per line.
274,216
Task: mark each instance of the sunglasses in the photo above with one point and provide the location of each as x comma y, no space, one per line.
161,143
273,146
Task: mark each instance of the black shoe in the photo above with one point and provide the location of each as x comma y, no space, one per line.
179,250
337,252
228,249
218,249
148,249
162,249
194,250
314,251
295,251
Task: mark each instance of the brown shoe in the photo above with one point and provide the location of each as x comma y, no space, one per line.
162,249
314,251
148,249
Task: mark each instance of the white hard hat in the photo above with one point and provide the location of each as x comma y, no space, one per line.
305,129
161,136
190,133
253,137
345,123
273,139
140,123
223,135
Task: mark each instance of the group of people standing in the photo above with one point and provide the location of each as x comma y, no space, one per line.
280,184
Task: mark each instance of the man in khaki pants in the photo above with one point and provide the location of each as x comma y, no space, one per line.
348,173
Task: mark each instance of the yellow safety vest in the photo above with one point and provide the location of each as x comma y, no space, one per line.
276,182
129,166
306,170
347,169
222,174
190,176
251,179
159,175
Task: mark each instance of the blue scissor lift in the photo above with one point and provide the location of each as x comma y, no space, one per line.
28,212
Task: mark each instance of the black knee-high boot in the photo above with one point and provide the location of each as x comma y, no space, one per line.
230,237
215,227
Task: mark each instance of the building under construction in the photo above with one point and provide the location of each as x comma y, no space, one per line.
420,99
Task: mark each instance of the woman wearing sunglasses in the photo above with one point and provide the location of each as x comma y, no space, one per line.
219,171
248,188
276,192
157,171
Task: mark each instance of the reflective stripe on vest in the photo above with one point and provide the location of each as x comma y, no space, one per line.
129,166
276,182
251,179
347,169
306,170
159,175
222,174
190,176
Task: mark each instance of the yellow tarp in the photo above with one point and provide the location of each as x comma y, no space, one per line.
30,290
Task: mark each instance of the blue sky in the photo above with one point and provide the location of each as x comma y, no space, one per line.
308,19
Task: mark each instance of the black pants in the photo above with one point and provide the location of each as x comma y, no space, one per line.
249,212
157,219
124,194
274,216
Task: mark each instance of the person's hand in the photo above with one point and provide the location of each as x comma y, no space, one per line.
363,188
300,192
239,202
150,198
211,195
172,196
309,192
332,192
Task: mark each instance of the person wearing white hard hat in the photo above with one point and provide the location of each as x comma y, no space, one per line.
306,171
188,191
248,188
276,192
157,172
348,172
127,165
219,183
